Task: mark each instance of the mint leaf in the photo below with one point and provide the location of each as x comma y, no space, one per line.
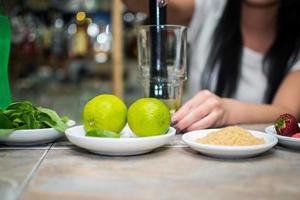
65,119
24,115
6,132
102,133
59,124
21,105
5,123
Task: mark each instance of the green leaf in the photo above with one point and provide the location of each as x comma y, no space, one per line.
27,120
21,114
17,122
59,124
45,120
5,123
52,114
24,115
6,132
65,119
22,105
102,133
34,120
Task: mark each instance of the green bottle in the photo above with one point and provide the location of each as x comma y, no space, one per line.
5,97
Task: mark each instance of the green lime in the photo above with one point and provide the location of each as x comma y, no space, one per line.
149,117
105,112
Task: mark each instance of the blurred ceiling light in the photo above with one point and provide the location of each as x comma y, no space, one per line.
31,37
93,30
97,46
72,29
90,4
105,47
140,16
128,17
102,38
89,20
107,29
58,23
101,57
80,16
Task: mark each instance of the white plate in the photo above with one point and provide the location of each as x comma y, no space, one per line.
220,151
128,144
33,136
290,142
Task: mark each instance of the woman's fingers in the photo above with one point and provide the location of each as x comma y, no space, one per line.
206,122
203,111
189,106
183,111
196,114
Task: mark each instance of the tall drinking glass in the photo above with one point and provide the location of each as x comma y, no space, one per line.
162,62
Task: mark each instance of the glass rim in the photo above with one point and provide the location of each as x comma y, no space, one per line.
162,26
162,79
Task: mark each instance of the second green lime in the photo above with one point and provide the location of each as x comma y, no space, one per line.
148,117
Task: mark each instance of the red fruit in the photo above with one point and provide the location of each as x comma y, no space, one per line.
296,135
286,125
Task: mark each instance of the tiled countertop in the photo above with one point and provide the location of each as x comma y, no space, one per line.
62,171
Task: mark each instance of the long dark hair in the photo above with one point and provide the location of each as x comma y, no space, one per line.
227,46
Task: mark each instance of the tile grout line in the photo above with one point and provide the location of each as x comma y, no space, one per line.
30,176
25,147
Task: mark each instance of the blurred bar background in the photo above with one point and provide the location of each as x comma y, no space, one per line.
64,52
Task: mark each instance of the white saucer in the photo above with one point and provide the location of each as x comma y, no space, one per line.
128,144
293,143
33,136
220,151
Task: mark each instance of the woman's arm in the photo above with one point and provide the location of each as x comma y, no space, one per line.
286,100
207,110
178,11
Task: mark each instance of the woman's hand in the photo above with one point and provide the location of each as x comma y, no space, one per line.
207,109
202,111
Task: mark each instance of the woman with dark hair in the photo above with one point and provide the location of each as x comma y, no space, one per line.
244,60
